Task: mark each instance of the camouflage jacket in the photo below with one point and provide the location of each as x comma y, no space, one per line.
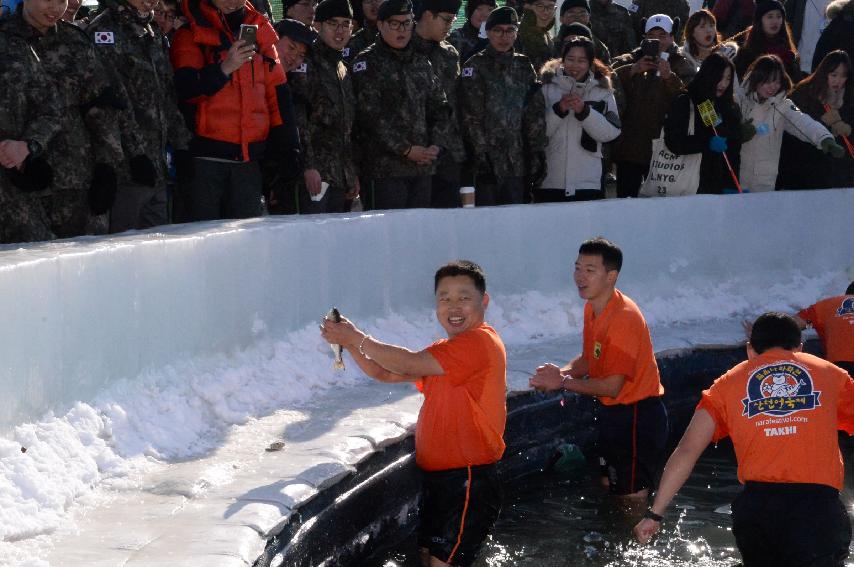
467,41
360,41
400,104
446,65
534,42
502,110
142,75
612,24
325,108
31,111
644,9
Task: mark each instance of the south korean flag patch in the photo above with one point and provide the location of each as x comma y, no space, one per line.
105,37
468,72
360,66
302,68
345,52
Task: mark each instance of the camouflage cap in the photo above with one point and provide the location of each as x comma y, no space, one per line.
391,8
504,16
329,9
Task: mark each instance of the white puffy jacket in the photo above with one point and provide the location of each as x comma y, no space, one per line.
570,166
760,157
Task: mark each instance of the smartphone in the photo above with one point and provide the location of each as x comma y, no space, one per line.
649,48
248,33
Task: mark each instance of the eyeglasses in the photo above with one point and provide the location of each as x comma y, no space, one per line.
509,31
449,20
544,7
397,25
339,27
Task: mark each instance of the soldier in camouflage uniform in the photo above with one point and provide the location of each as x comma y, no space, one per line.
466,39
644,9
325,109
503,116
367,34
130,48
28,123
87,155
613,25
432,29
535,38
403,116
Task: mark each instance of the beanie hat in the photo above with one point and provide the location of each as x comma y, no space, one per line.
296,31
574,29
329,9
391,8
504,16
437,6
567,4
765,6
472,5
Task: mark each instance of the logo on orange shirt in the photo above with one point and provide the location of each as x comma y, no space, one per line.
780,389
597,350
847,307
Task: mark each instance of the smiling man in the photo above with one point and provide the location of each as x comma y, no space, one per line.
459,436
617,366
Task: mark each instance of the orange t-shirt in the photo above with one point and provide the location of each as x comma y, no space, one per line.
618,342
782,410
833,320
464,412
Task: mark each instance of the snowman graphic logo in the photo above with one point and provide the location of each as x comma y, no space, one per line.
780,389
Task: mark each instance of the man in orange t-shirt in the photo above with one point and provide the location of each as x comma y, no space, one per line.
833,320
617,366
782,408
460,432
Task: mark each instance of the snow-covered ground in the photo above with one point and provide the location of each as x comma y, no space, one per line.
146,375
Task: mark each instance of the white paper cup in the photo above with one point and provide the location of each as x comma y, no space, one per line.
467,196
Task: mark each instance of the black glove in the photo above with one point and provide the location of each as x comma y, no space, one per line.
102,191
537,168
142,171
184,170
36,175
290,166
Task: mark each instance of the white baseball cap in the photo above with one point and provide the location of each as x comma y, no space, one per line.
662,21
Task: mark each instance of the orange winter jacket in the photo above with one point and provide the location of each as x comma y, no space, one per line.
233,115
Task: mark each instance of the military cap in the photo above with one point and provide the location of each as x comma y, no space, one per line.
329,9
391,8
288,4
472,5
504,16
436,6
574,29
567,4
296,31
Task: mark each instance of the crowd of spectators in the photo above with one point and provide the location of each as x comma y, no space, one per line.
146,112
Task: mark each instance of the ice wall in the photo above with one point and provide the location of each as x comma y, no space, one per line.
79,315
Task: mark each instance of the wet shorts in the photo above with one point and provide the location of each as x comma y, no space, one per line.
632,444
803,525
458,508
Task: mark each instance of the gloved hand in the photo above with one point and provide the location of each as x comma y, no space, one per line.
537,168
718,144
831,117
142,171
829,146
291,165
762,129
748,130
102,190
36,175
841,129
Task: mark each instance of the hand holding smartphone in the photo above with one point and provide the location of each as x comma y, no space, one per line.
249,33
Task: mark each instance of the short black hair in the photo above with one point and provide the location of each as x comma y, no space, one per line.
461,268
775,329
850,290
611,254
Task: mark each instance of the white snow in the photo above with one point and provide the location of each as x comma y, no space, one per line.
145,375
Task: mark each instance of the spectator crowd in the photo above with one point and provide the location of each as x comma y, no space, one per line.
145,112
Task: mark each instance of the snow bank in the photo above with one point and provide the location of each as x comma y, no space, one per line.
120,354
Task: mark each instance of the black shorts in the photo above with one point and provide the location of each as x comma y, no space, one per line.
632,444
458,508
790,524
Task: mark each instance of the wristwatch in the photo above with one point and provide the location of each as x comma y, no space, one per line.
34,148
653,516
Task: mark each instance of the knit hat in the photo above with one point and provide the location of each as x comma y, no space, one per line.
574,29
437,6
567,4
662,21
504,16
296,31
472,5
329,9
391,8
765,6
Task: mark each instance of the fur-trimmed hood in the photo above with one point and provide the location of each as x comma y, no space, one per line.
555,66
837,7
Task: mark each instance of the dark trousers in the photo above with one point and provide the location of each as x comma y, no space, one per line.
559,195
790,525
223,190
333,201
137,207
498,190
629,178
446,186
401,192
